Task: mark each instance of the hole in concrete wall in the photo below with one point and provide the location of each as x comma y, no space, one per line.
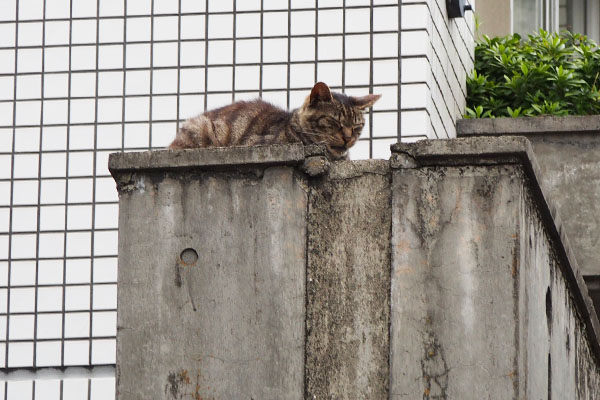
188,256
549,309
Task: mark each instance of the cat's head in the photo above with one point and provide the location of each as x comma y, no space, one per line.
334,119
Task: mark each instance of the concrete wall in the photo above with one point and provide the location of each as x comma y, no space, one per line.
438,55
480,270
354,280
189,324
347,315
568,152
453,282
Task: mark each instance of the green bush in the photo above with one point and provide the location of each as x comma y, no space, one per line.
549,74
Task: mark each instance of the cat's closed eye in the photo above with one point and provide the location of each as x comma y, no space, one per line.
326,121
334,122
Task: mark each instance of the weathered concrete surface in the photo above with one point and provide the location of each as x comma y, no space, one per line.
348,270
483,283
568,152
454,325
527,125
571,168
215,157
443,273
231,325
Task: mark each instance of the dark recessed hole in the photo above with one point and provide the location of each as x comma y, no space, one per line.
549,309
189,256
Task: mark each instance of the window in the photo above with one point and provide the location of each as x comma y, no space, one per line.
531,15
581,16
578,16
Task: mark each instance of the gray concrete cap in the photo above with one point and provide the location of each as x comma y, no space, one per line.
524,125
472,151
214,157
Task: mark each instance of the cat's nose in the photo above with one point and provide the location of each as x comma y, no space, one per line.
347,133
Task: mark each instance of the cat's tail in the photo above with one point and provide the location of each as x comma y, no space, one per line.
176,144
195,132
182,140
179,143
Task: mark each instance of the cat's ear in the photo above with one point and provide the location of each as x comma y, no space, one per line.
366,101
320,92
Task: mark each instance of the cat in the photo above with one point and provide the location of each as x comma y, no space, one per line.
326,117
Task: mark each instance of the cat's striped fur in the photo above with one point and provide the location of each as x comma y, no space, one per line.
325,117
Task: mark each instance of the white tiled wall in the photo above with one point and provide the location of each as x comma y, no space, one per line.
437,57
80,82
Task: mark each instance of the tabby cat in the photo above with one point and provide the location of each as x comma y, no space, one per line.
331,118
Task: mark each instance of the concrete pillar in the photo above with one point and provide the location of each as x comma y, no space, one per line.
349,228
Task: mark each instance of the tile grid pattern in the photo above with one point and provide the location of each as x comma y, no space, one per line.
80,79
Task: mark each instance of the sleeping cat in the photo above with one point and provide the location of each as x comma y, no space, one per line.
331,118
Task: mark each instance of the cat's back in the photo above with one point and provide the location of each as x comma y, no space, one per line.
241,109
239,123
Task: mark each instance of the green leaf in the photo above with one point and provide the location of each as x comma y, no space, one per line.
513,113
546,73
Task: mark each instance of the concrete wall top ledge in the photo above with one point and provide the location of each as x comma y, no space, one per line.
486,150
469,151
217,157
529,125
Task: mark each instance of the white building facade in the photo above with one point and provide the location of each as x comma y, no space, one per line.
80,79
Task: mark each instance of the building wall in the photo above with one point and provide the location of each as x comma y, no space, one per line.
494,17
80,79
437,57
